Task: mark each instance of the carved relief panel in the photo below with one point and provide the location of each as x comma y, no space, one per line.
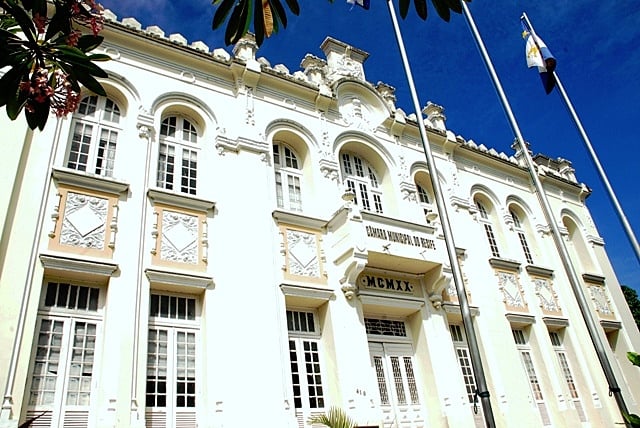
84,222
180,238
548,299
600,300
511,289
303,256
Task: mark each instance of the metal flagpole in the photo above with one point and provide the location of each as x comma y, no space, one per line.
592,327
476,360
594,158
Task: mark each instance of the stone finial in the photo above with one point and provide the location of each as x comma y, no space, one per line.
435,115
388,94
314,68
132,22
109,15
154,30
178,38
245,49
343,60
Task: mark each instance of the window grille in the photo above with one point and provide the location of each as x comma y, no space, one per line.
172,307
301,322
385,327
70,296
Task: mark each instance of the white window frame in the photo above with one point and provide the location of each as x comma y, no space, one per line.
178,150
487,224
521,340
88,151
567,373
77,362
288,177
305,341
361,178
180,405
463,356
522,237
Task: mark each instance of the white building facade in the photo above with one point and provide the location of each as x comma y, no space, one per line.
222,243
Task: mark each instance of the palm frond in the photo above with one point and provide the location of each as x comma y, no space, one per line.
334,418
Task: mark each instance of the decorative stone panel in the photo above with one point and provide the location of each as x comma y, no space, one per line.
547,296
180,238
511,290
84,222
303,256
600,300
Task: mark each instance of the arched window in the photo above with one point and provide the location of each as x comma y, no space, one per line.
522,237
178,139
288,177
488,228
95,133
362,180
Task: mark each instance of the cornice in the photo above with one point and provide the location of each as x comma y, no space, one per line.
89,181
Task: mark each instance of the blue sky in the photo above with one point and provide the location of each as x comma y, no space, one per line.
595,43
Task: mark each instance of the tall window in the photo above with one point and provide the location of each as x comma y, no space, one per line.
64,355
171,361
95,133
464,359
521,236
464,362
304,356
563,361
488,229
534,383
362,180
178,139
288,177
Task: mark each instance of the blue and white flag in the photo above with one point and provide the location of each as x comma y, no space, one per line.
539,55
362,3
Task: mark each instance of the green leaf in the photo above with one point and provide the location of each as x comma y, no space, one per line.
634,420
442,9
294,7
91,83
38,117
238,22
16,104
280,13
23,19
404,8
89,42
10,82
634,358
222,12
421,8
455,5
99,57
258,21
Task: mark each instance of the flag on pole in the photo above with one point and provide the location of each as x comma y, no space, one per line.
363,3
539,55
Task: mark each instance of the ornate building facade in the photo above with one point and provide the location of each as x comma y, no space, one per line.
220,242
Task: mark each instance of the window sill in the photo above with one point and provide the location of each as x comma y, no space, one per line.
89,181
180,200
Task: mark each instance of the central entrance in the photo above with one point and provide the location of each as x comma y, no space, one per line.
394,363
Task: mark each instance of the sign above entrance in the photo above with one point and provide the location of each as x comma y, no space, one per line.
382,283
400,237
